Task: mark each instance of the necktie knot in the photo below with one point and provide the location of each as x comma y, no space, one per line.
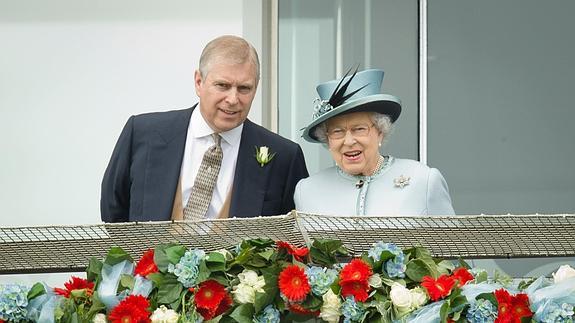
217,139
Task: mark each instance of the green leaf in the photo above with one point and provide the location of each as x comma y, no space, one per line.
116,255
267,254
170,291
36,290
325,251
94,269
417,269
445,267
502,278
463,263
481,277
156,278
444,312
243,313
215,261
204,272
525,283
126,282
270,290
458,303
312,302
168,254
97,305
260,243
390,281
489,297
174,253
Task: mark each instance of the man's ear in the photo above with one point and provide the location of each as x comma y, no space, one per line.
198,81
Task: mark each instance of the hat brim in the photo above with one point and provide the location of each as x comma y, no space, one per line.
381,103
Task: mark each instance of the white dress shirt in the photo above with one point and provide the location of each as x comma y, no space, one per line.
198,140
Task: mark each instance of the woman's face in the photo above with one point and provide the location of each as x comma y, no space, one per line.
353,142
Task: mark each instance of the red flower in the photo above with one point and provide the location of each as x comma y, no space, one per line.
358,289
298,253
355,271
462,276
133,309
146,265
298,309
440,288
212,299
511,308
293,283
353,280
75,283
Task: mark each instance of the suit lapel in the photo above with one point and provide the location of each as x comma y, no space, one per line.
250,178
166,151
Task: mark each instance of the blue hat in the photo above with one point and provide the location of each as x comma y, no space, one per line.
359,92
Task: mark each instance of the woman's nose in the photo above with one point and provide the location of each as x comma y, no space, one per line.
349,139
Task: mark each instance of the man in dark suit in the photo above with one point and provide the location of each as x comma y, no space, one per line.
156,160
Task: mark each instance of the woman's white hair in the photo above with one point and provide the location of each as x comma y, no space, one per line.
381,121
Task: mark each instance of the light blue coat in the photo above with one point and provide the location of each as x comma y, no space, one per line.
334,192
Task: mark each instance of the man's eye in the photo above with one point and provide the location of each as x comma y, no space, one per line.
222,86
244,89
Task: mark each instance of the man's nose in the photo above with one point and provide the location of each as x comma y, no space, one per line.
232,96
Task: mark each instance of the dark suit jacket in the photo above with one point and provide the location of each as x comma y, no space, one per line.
142,176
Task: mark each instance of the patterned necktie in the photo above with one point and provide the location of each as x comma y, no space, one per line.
206,179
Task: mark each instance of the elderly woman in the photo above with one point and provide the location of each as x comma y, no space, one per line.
353,119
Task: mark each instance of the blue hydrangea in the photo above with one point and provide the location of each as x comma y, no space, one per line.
552,312
482,311
320,279
394,267
13,302
351,310
269,315
188,268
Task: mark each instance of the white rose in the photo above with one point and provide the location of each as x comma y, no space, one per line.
375,281
400,296
564,272
164,315
99,318
251,278
418,297
329,311
248,277
244,293
264,151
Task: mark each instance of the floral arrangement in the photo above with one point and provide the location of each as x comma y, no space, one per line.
266,281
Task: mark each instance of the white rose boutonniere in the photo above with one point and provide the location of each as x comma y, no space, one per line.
263,155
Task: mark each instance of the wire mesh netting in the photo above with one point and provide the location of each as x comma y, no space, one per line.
69,248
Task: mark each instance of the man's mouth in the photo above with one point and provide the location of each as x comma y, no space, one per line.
228,112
